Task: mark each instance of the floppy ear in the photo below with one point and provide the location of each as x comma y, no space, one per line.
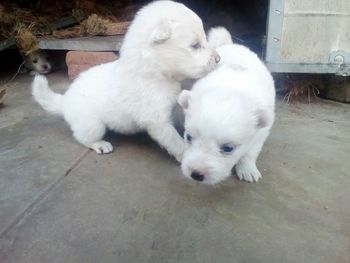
263,118
161,32
184,99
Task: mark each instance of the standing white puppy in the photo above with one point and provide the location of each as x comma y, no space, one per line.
228,115
165,44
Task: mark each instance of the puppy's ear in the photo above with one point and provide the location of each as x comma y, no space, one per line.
263,118
184,99
162,32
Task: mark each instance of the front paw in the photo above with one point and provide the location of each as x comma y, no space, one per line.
247,171
102,147
32,73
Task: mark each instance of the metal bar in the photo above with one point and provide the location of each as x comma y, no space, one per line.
302,68
309,13
274,31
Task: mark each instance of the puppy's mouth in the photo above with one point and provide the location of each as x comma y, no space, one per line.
208,178
209,68
45,71
212,65
211,180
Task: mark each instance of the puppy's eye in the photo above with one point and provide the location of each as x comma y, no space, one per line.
35,61
226,149
196,45
188,138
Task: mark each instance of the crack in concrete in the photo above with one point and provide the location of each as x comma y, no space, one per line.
76,163
42,195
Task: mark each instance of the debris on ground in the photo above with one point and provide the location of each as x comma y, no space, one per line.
295,87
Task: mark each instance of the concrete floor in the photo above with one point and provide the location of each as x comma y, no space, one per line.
60,202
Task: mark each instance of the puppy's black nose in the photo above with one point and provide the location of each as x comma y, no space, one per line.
197,176
217,58
45,66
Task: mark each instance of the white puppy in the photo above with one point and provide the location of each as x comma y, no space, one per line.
228,115
165,44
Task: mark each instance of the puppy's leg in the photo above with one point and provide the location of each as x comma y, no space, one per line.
246,167
166,135
23,70
90,134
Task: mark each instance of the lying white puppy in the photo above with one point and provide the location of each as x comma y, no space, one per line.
165,44
36,62
228,115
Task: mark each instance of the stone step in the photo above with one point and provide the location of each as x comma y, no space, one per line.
95,43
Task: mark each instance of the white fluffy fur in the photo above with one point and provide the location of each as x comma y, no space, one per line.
232,106
137,92
219,36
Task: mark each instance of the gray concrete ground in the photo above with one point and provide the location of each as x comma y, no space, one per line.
60,202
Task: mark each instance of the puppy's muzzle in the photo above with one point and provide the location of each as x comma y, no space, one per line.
197,176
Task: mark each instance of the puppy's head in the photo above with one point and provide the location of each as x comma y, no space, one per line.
219,36
219,126
171,38
39,61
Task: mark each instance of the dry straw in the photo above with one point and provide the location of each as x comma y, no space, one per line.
298,86
92,26
25,39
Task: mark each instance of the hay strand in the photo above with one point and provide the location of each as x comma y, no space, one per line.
2,95
24,25
25,40
92,26
299,86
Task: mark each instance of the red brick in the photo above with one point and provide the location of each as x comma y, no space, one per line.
79,61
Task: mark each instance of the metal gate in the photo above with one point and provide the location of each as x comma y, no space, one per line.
310,36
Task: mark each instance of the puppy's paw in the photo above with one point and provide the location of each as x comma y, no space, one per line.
23,70
102,147
247,171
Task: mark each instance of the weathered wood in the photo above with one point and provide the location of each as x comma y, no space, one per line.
337,88
313,29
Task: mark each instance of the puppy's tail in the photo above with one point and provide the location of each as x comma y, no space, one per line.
49,100
219,36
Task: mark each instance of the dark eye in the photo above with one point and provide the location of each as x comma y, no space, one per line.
35,61
188,138
196,45
227,148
